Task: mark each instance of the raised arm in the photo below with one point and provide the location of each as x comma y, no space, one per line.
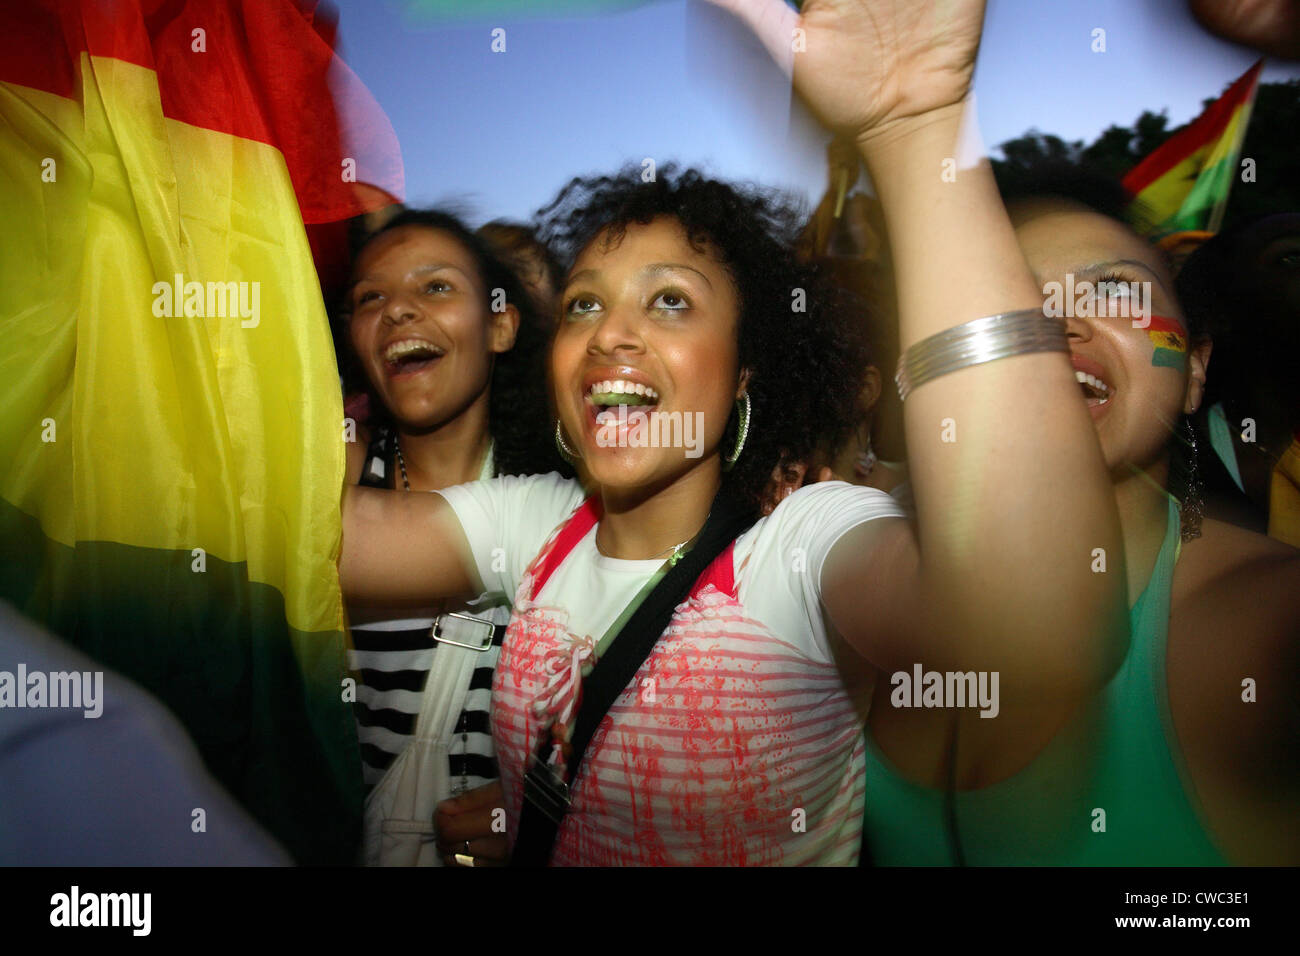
401,548
1011,491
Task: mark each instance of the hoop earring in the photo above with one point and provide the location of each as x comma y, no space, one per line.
742,431
567,453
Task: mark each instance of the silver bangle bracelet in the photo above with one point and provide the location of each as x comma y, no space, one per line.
978,341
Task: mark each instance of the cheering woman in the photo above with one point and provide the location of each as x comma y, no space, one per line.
441,336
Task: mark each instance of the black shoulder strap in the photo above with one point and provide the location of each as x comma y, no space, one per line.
727,519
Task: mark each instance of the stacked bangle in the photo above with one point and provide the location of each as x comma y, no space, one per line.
978,341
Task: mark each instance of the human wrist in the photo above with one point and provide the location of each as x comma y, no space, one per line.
894,148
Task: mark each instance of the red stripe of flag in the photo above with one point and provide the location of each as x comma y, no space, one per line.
1206,128
1162,323
269,73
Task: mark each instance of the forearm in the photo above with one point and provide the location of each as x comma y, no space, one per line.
1012,493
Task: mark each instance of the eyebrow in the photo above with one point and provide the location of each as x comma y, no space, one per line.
654,269
1134,263
419,271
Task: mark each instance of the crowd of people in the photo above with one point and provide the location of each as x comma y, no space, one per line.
684,526
651,654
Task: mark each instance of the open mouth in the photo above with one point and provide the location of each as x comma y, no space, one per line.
1096,391
410,356
607,397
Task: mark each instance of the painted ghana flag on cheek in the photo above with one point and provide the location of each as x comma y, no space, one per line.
171,454
1169,341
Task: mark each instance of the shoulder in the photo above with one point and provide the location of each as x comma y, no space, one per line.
514,502
833,504
551,490
804,527
783,561
1235,569
1235,614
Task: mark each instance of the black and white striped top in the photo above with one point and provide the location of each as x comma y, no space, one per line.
393,655
393,658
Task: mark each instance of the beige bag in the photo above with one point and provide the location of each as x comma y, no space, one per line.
398,823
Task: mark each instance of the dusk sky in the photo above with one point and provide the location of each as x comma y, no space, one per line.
498,133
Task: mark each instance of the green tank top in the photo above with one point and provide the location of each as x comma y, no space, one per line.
1116,765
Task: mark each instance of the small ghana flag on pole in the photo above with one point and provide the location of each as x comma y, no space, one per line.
1184,184
171,425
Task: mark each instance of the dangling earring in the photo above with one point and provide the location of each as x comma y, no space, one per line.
742,431
1192,508
866,459
567,453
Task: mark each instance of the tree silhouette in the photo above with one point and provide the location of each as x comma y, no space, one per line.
1270,143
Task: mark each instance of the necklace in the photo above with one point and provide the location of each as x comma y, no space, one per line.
401,462
676,552
673,552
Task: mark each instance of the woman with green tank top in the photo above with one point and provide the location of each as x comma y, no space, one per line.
1190,755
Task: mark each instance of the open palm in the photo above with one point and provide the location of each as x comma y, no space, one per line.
862,64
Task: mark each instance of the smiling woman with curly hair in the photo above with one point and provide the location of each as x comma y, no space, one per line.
798,335
683,299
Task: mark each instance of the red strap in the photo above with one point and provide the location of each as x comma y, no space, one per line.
721,573
573,531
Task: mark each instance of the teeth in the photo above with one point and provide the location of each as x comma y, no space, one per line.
1083,378
620,386
405,347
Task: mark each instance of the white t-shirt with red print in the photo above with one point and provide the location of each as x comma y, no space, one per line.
739,742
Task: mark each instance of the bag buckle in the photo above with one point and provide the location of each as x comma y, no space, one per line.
463,630
546,790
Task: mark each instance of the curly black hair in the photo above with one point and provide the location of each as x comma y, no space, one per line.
797,331
517,417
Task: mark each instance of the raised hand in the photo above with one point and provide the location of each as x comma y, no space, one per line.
864,65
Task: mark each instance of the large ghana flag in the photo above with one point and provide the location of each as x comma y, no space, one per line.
170,484
1184,183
